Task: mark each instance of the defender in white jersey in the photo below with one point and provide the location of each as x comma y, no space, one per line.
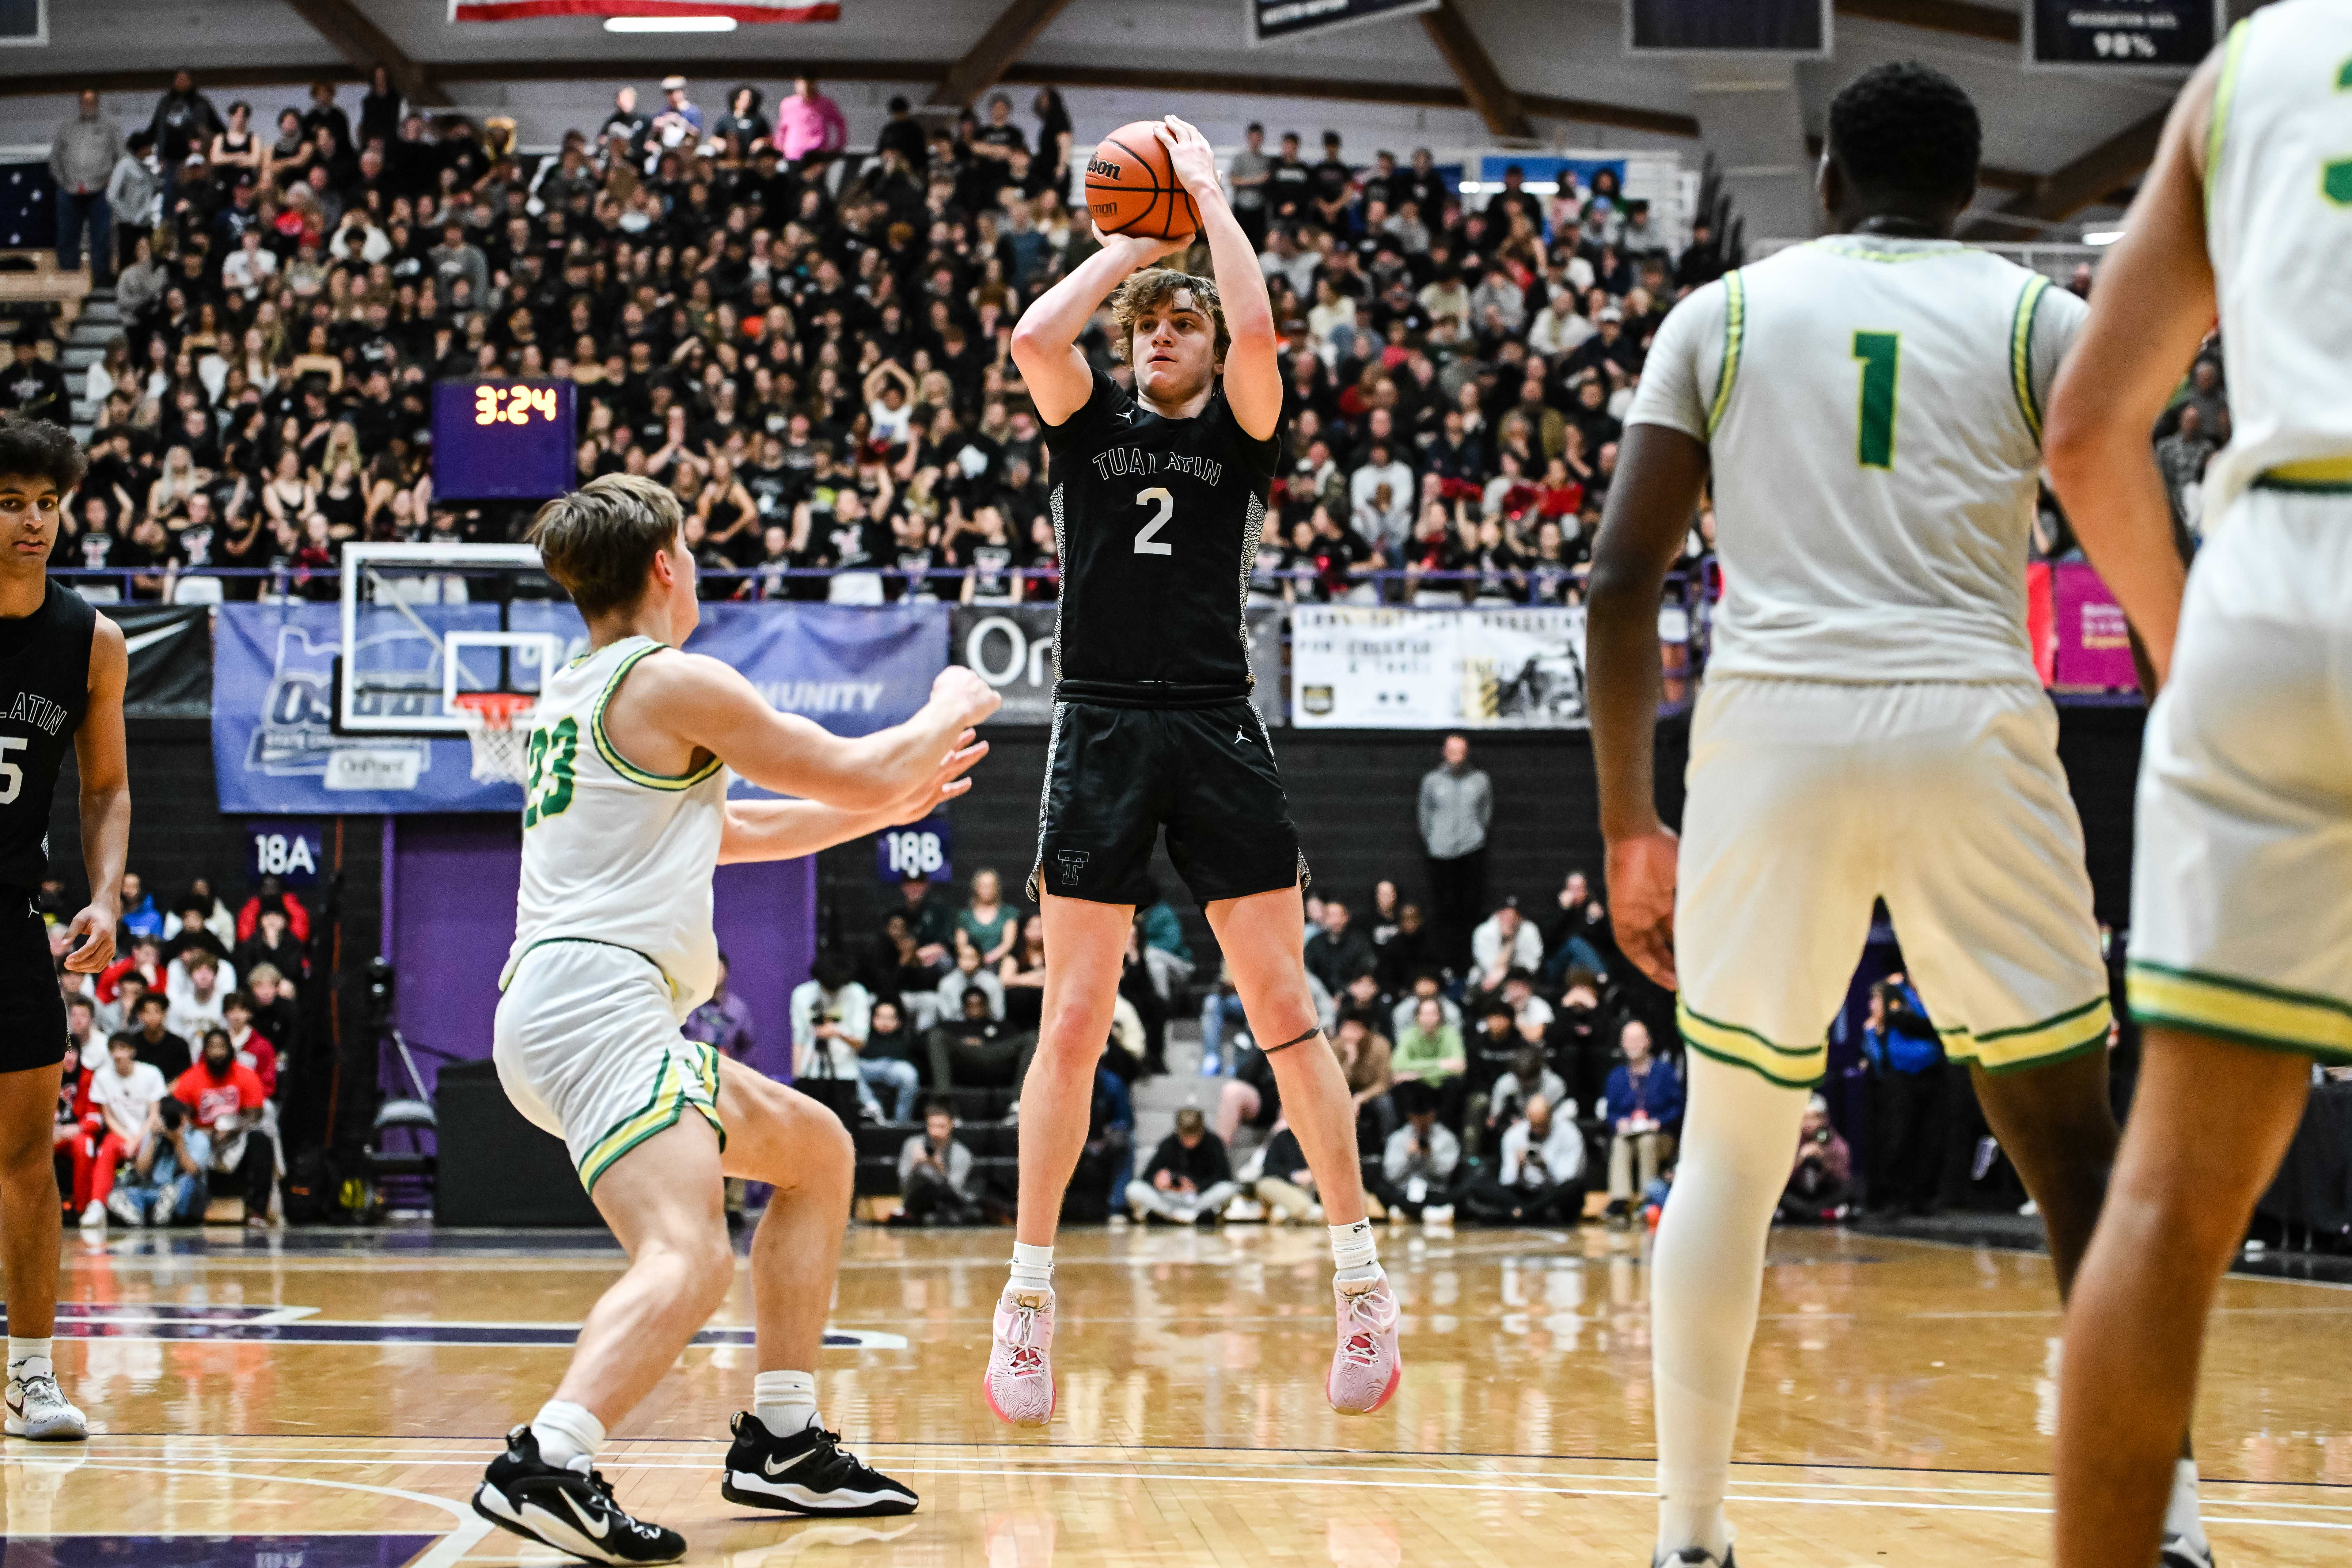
626,815
2240,943
1871,726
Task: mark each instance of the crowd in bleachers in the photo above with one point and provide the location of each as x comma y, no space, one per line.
811,346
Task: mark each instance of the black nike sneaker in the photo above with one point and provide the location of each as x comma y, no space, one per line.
1694,1557
572,1510
2180,1551
809,1473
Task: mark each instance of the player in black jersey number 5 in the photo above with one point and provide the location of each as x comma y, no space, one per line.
61,672
1158,496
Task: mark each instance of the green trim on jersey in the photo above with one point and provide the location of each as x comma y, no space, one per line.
2225,94
611,753
1734,328
2021,350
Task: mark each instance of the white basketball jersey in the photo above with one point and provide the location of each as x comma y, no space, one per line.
1873,407
2278,226
611,852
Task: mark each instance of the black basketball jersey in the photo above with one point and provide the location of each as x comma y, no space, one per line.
44,691
1157,522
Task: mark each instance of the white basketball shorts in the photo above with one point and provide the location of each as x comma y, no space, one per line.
2242,879
1808,800
587,1047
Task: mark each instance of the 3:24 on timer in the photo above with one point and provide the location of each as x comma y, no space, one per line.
521,404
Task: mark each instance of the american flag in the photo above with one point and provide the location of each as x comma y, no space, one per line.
740,10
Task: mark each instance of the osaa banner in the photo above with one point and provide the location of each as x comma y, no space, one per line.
1355,667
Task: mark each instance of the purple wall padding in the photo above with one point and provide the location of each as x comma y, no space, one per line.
449,895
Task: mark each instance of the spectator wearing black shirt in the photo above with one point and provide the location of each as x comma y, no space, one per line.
1190,1177
34,387
1289,185
1332,184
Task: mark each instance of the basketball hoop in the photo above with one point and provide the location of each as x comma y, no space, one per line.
498,727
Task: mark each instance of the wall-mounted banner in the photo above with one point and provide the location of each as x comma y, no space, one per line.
854,670
740,10
1273,21
924,850
1364,669
2094,642
1011,646
2121,34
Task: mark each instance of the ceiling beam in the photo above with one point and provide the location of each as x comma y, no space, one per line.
1015,28
1956,17
366,46
2068,190
1474,68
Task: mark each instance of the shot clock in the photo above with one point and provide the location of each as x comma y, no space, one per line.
503,440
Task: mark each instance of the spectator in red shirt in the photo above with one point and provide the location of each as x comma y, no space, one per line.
272,894
252,1049
224,1097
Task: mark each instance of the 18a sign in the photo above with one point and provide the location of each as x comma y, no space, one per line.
290,851
923,850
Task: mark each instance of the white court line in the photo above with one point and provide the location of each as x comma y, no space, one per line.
453,1545
438,1560
1111,1470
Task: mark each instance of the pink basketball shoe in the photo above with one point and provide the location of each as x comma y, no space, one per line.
1367,1366
1020,1383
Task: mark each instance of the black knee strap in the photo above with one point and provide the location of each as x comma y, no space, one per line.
1299,1041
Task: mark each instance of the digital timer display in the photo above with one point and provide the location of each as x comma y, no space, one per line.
503,440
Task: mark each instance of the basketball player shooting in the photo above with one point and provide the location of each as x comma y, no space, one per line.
65,664
626,815
1159,495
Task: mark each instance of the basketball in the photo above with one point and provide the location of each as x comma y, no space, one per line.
1132,188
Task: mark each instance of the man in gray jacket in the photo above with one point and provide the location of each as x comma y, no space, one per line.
82,159
1457,803
130,195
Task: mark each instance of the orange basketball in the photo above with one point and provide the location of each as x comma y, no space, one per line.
1132,188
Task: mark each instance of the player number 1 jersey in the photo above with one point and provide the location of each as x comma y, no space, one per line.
1872,408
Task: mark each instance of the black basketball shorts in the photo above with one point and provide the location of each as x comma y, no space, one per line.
32,1010
1115,776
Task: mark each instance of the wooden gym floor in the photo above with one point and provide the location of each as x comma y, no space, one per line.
327,1400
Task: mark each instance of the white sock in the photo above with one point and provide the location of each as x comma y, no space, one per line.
1706,1274
568,1433
1032,1267
2180,1512
785,1402
1354,1253
29,1357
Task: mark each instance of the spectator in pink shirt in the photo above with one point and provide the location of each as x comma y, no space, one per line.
808,125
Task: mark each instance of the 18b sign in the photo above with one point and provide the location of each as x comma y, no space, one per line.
918,849
291,852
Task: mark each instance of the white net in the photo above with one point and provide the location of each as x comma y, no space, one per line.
500,733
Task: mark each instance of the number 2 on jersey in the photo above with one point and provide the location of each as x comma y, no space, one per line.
1874,447
1146,540
547,789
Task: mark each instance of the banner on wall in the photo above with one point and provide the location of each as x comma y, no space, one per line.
739,10
854,670
1012,647
1365,669
2092,651
1273,21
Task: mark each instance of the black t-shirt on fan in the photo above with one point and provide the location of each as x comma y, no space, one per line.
43,690
1157,524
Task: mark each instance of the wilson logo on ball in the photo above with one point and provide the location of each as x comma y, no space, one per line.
1099,166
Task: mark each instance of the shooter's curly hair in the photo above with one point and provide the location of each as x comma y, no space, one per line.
1155,286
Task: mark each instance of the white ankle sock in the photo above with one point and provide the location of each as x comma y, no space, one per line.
2180,1510
785,1402
29,1357
1706,1274
1354,1253
1032,1267
568,1433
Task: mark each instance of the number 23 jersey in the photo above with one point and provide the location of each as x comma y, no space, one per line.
611,852
1157,522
